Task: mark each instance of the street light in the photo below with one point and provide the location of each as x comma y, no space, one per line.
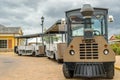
42,19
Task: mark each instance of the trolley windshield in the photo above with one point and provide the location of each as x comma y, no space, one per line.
75,23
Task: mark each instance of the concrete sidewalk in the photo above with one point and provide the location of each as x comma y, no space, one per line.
117,63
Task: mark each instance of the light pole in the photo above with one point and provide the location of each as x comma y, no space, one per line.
42,20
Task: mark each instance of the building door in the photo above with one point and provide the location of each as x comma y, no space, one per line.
10,44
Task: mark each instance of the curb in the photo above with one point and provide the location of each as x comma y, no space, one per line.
116,67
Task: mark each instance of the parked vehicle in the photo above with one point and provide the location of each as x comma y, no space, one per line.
88,53
34,49
55,48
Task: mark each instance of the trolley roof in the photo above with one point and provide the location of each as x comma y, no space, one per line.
30,36
78,9
56,28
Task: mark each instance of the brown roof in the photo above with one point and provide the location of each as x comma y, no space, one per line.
9,30
30,35
114,39
56,28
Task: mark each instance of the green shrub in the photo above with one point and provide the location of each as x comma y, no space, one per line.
118,51
116,48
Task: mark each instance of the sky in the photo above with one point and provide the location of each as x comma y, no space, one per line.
27,13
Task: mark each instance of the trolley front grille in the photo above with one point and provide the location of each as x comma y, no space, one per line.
89,51
89,70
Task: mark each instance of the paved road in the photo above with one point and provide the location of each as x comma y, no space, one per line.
13,67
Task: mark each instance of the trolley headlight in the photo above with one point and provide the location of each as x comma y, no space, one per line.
106,51
72,52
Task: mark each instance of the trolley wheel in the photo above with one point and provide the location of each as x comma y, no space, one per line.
33,54
54,57
48,57
19,54
60,61
110,71
67,73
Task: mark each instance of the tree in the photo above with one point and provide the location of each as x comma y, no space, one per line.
118,36
116,45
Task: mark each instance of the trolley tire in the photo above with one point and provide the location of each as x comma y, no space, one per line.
19,54
48,57
60,61
67,73
33,54
54,57
110,71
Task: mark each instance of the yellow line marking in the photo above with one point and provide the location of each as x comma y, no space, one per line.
117,67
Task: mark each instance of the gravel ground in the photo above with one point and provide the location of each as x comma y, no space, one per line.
14,67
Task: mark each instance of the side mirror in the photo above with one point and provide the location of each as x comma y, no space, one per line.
110,18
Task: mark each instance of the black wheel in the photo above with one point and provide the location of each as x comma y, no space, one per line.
54,57
110,71
19,54
60,61
15,49
67,73
48,57
33,54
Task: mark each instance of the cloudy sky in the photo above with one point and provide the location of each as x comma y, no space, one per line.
27,13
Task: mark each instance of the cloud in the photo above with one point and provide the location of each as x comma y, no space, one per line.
27,13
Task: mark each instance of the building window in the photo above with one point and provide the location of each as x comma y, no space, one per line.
3,43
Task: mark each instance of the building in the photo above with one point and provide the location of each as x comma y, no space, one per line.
113,39
7,37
